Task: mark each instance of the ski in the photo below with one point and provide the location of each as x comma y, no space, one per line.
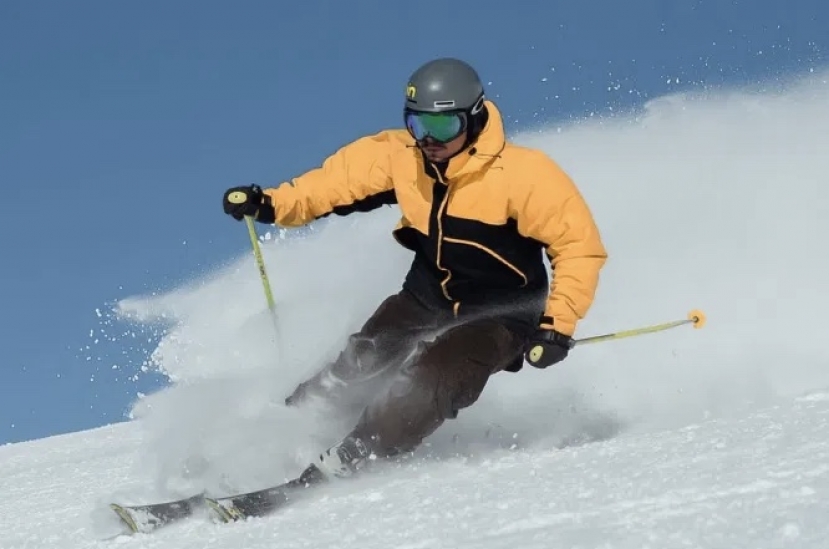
259,503
150,517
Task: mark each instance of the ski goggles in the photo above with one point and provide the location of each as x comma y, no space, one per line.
442,126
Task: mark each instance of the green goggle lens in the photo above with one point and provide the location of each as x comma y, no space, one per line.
442,127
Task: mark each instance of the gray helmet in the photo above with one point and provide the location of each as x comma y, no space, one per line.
445,85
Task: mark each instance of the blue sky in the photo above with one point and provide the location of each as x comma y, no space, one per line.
121,124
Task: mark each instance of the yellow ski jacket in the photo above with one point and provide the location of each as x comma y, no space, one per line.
479,230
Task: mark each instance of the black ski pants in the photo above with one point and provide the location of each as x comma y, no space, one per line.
409,368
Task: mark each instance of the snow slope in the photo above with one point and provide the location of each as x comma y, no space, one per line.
711,438
757,481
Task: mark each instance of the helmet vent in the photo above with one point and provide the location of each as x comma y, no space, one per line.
444,104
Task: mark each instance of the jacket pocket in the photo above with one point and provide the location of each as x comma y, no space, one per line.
467,259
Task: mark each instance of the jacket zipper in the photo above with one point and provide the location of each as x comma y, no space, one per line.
441,183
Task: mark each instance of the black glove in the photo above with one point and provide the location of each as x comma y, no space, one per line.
241,201
547,347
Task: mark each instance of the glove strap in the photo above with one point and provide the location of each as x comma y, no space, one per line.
550,334
266,212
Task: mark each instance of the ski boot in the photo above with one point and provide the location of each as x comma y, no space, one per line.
342,460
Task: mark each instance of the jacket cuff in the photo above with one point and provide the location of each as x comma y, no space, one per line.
266,212
547,322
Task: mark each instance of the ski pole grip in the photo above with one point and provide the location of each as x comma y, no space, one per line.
237,197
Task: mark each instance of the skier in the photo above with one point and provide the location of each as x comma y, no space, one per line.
478,213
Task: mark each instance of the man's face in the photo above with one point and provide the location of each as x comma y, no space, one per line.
440,152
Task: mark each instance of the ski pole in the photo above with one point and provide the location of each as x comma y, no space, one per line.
260,263
263,275
695,317
239,198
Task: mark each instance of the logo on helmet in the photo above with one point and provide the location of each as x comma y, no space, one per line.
411,91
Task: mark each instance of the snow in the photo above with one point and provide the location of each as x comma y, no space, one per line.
756,481
712,438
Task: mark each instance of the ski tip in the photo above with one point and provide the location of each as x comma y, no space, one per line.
698,318
125,517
